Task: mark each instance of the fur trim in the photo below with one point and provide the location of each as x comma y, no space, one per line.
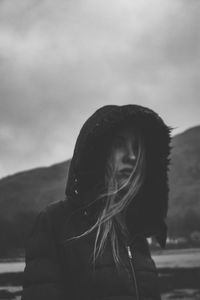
88,165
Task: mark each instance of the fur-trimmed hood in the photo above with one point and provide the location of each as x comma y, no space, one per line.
87,166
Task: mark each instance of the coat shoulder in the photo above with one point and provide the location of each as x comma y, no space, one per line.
57,213
42,275
57,208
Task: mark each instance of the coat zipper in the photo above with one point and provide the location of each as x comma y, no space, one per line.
133,271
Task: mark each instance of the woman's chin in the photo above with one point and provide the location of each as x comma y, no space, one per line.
123,183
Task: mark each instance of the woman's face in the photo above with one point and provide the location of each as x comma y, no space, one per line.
123,153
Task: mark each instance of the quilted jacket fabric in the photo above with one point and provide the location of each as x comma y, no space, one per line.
59,267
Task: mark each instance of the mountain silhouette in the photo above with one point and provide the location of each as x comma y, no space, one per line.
184,182
24,194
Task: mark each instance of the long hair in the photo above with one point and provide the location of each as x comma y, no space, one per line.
110,222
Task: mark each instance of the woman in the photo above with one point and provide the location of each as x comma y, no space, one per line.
93,245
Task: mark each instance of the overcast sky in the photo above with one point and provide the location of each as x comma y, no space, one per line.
61,60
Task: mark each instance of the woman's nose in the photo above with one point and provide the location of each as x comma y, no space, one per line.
130,154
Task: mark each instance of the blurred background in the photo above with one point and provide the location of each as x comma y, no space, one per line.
62,60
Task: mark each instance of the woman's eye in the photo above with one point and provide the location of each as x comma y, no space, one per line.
119,143
135,149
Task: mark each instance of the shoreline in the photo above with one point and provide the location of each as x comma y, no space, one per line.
187,276
181,283
178,272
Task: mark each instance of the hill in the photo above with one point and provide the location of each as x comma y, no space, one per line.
184,181
31,191
24,194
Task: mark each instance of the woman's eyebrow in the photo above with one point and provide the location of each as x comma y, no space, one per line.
120,137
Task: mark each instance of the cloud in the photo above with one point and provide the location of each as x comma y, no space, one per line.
59,61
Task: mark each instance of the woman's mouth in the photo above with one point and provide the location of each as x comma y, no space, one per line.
126,171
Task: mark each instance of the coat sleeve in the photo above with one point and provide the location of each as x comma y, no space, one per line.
42,275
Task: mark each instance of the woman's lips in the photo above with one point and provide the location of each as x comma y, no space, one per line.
126,171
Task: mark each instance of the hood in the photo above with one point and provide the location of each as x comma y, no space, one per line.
87,168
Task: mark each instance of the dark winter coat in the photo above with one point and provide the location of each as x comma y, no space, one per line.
58,267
